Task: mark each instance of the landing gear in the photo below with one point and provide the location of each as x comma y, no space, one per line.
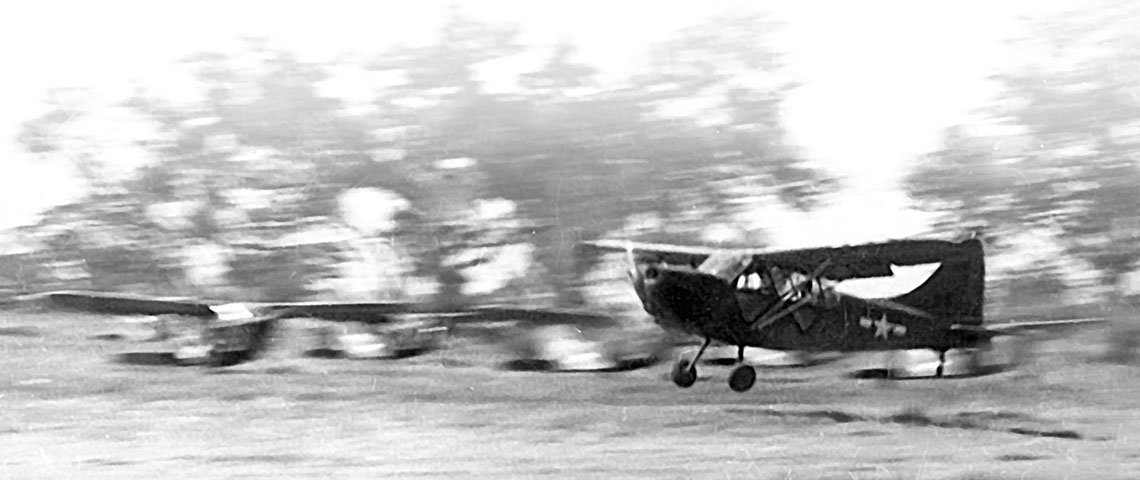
685,371
742,378
941,364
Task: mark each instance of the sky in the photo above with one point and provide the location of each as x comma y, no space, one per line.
882,80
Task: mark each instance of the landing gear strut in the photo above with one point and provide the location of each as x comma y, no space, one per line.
941,364
742,379
743,376
685,371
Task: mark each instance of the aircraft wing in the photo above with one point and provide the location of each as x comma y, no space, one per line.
843,262
367,312
381,312
128,304
656,252
870,260
121,304
541,316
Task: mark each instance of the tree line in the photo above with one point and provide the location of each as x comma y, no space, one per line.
248,191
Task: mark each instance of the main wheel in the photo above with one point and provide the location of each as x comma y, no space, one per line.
742,378
684,373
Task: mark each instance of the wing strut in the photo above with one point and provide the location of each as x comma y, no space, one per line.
775,313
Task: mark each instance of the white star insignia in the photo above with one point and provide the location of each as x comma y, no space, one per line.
883,327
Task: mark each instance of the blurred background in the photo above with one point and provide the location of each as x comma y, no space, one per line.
457,151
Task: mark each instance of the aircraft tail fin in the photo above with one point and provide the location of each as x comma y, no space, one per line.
956,289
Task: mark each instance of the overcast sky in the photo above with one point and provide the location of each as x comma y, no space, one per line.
882,79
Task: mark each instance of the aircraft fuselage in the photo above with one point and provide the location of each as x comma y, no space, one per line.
702,304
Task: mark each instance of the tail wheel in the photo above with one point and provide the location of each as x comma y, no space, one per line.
742,378
684,373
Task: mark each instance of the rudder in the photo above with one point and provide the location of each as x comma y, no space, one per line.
956,289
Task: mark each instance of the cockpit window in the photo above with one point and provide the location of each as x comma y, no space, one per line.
755,281
726,265
791,286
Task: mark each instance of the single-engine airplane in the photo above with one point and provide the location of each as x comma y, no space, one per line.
787,300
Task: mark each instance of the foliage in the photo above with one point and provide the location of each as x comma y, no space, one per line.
251,176
1059,152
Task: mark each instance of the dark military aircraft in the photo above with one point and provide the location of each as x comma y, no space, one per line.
787,300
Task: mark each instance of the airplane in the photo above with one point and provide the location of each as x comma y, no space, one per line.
226,334
787,300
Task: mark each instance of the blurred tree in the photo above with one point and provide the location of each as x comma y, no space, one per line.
727,79
73,130
263,133
605,154
251,173
435,117
47,135
1059,151
102,240
260,129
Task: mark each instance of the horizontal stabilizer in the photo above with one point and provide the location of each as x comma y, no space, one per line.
1014,328
1045,324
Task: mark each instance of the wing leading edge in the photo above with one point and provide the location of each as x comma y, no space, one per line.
844,262
366,312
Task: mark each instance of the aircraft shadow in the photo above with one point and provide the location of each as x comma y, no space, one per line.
148,359
168,359
332,353
534,365
903,374
815,362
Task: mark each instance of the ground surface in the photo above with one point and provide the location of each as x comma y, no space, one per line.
68,412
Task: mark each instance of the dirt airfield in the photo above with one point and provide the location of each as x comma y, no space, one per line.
67,411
